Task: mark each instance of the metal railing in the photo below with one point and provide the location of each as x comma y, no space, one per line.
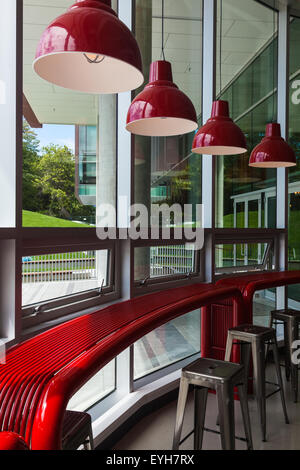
168,260
80,266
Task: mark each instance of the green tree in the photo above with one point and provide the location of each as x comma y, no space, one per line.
56,169
57,181
31,144
49,179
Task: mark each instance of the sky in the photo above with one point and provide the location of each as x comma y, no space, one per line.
56,134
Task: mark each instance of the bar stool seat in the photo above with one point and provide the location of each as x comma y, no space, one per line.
291,320
256,338
77,431
210,374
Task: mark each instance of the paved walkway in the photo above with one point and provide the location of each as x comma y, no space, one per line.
43,291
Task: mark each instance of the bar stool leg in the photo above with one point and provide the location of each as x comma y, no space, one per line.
287,352
200,412
91,439
279,378
229,345
245,359
226,416
228,352
183,393
89,443
271,325
293,336
245,413
258,354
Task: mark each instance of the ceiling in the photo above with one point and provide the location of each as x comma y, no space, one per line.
51,104
246,30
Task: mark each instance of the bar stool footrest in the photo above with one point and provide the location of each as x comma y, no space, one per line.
212,431
278,389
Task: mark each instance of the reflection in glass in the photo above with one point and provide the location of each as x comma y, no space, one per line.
168,344
294,173
101,385
230,258
246,197
165,169
51,276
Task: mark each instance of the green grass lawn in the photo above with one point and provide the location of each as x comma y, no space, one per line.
33,219
294,224
228,220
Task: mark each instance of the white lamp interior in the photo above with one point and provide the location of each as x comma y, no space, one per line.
158,127
109,76
218,150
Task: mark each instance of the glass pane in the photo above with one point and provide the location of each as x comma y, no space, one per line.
162,261
243,254
86,164
101,385
246,197
264,303
52,276
168,344
165,169
61,132
294,173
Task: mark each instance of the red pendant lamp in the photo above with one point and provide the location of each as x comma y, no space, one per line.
161,109
220,135
89,49
273,151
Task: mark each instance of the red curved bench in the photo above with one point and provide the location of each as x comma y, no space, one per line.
43,373
247,285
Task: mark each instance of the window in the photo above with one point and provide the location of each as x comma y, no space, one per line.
101,385
166,171
168,344
65,267
264,303
243,257
246,197
58,281
59,175
162,261
294,175
86,161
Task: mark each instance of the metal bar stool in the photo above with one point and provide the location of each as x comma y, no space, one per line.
290,320
77,431
210,374
257,337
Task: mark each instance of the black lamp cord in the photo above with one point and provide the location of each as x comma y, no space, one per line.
163,30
